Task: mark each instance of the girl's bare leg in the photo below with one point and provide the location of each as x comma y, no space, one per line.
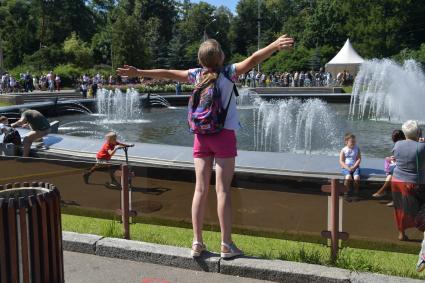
225,168
203,169
385,186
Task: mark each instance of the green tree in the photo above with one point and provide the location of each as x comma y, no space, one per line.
128,44
101,47
298,59
176,53
17,29
78,51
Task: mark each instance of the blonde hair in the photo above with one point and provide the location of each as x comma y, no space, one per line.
210,54
111,135
3,119
348,136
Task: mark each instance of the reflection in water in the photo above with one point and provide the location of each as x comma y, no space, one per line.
285,206
146,206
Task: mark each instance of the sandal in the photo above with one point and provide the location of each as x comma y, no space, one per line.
420,266
199,248
376,195
232,250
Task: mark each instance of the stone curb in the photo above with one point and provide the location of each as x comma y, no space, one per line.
283,271
158,254
82,243
272,270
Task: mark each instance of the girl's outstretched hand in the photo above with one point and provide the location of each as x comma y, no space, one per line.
283,42
128,71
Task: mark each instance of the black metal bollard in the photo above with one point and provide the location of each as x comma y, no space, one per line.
30,233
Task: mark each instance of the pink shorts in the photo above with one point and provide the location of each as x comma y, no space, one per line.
221,145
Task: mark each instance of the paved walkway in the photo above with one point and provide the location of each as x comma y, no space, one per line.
82,268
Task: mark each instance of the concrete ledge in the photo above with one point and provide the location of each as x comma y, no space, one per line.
283,271
158,254
82,243
272,270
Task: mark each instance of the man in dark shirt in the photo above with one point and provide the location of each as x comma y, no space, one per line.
39,125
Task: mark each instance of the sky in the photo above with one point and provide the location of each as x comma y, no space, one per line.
231,4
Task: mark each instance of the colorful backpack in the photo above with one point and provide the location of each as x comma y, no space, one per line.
206,114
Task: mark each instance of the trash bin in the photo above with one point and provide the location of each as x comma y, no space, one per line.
30,233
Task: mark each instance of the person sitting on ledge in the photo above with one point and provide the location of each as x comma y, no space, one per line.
39,125
349,159
103,158
10,135
389,166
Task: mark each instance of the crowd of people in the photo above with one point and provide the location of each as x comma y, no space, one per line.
294,79
89,84
28,83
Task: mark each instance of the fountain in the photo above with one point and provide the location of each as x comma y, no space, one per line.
158,100
119,107
247,98
385,90
294,126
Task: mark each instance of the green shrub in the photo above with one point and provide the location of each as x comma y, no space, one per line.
68,74
15,72
103,70
162,88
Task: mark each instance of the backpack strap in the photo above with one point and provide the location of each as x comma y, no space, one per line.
228,104
235,89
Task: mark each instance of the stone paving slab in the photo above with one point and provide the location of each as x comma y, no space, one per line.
86,268
272,270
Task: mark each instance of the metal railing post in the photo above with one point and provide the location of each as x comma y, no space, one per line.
336,190
125,201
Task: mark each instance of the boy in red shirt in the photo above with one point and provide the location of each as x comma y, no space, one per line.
103,157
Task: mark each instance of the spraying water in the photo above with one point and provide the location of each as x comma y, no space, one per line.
158,100
117,106
294,126
247,98
385,90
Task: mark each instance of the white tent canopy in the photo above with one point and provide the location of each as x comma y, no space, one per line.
346,59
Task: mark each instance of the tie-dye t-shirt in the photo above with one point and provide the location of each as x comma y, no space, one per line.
226,87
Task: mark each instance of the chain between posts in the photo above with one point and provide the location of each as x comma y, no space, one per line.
336,191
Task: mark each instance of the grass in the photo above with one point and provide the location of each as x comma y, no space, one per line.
391,263
4,104
348,89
